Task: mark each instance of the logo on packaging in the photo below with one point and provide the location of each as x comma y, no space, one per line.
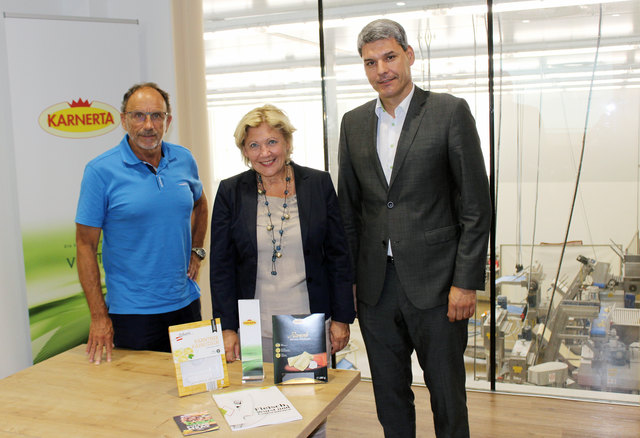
79,119
249,322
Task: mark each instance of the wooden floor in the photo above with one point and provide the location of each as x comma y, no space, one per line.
495,415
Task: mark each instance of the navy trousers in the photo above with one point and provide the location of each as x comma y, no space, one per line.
151,332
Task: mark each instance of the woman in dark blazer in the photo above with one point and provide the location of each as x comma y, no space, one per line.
277,235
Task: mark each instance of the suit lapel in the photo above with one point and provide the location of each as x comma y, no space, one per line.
370,142
249,205
303,196
409,130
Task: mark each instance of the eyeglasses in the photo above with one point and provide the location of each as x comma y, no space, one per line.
141,117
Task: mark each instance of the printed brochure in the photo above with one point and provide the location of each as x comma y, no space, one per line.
248,408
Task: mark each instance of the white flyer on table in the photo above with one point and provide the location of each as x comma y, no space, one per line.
248,408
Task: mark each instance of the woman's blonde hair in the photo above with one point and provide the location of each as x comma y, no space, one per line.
272,116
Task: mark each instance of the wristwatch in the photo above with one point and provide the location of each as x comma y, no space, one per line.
200,252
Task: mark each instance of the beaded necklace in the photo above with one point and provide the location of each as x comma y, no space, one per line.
277,244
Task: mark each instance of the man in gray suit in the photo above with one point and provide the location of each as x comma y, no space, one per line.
415,200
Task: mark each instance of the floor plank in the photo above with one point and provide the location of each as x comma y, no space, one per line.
494,415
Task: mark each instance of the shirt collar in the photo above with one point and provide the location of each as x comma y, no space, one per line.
403,107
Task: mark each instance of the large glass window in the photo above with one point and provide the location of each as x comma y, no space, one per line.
566,115
260,52
567,93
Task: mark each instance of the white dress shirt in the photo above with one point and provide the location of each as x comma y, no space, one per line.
389,130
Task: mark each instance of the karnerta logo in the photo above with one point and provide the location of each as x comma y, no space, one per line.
79,119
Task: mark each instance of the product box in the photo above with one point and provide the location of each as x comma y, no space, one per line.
548,374
299,349
198,356
250,340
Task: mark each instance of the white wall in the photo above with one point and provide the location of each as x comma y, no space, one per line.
14,319
156,63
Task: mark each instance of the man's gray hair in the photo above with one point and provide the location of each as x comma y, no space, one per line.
136,87
382,29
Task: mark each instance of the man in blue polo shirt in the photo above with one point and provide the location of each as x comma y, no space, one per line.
146,199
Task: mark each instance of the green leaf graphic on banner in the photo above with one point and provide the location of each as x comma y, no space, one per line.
58,312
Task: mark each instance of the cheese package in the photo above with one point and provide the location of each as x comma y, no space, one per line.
300,349
198,356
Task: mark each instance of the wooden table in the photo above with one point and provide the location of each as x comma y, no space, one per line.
136,395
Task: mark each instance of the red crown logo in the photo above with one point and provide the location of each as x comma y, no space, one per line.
79,103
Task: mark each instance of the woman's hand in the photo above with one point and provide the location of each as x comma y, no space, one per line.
231,345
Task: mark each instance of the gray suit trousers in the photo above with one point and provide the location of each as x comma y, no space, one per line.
392,329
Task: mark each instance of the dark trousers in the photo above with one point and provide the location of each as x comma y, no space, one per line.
392,329
151,332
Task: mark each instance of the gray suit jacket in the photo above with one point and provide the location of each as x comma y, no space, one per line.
436,210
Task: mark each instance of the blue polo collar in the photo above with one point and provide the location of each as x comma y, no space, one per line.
131,159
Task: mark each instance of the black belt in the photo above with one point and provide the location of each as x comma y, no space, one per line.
390,259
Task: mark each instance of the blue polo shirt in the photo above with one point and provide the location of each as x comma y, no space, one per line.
146,226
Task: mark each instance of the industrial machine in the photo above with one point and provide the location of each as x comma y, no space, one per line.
580,334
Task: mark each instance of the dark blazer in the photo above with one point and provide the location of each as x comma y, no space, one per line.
234,250
436,210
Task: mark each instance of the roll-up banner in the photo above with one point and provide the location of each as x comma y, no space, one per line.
67,76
